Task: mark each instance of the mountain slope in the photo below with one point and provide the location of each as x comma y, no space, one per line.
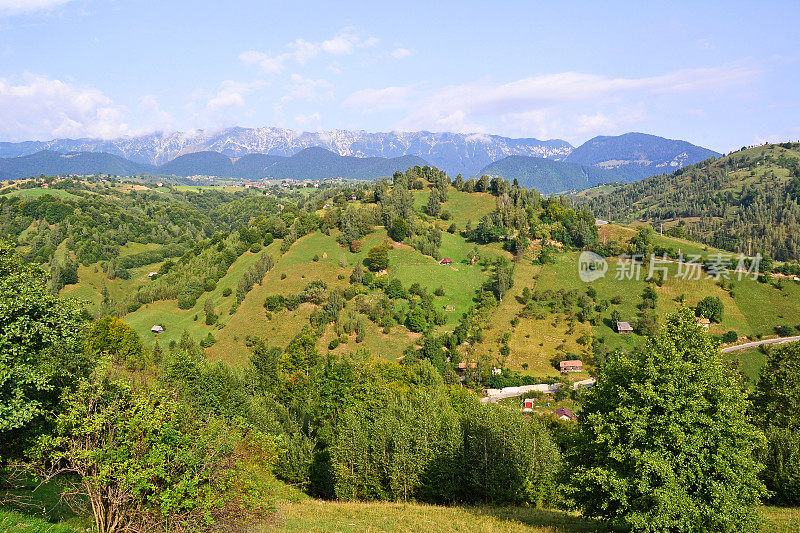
746,202
204,163
638,155
311,163
546,176
317,163
254,166
51,163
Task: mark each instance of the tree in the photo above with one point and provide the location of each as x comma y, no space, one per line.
776,410
434,207
143,461
664,442
41,350
710,307
377,258
399,229
503,278
114,337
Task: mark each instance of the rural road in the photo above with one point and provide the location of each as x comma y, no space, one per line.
779,340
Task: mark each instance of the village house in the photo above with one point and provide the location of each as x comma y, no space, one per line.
624,327
157,329
703,322
571,366
565,414
446,261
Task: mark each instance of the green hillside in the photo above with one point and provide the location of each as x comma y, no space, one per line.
546,175
744,202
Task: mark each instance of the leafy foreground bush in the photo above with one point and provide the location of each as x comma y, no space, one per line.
145,462
665,443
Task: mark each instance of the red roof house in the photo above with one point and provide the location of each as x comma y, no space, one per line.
565,414
571,366
446,261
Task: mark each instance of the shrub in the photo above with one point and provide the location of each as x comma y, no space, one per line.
274,302
710,307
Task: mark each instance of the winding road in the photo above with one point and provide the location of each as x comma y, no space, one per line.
779,340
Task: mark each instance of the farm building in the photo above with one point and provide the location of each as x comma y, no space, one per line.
157,329
446,261
703,322
565,414
624,327
571,366
527,404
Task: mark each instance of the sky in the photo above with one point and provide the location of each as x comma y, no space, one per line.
718,75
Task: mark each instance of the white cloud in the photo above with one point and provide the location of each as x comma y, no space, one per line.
583,103
11,7
231,95
303,50
370,100
269,64
344,43
308,122
310,89
39,107
155,113
400,53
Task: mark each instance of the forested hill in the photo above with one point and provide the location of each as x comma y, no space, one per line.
747,200
548,176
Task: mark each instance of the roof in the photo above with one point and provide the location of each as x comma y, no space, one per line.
564,412
446,260
624,326
703,320
571,362
156,328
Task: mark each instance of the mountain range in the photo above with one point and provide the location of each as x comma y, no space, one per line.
550,166
454,152
310,163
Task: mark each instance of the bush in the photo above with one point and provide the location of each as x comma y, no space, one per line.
111,439
730,337
377,258
274,302
226,291
710,307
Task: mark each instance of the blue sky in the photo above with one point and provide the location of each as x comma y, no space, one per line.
720,76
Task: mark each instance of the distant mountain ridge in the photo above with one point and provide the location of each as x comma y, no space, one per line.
311,163
638,155
623,158
251,153
454,152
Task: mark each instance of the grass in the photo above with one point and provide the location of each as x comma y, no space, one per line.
12,521
35,193
750,363
461,205
316,515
